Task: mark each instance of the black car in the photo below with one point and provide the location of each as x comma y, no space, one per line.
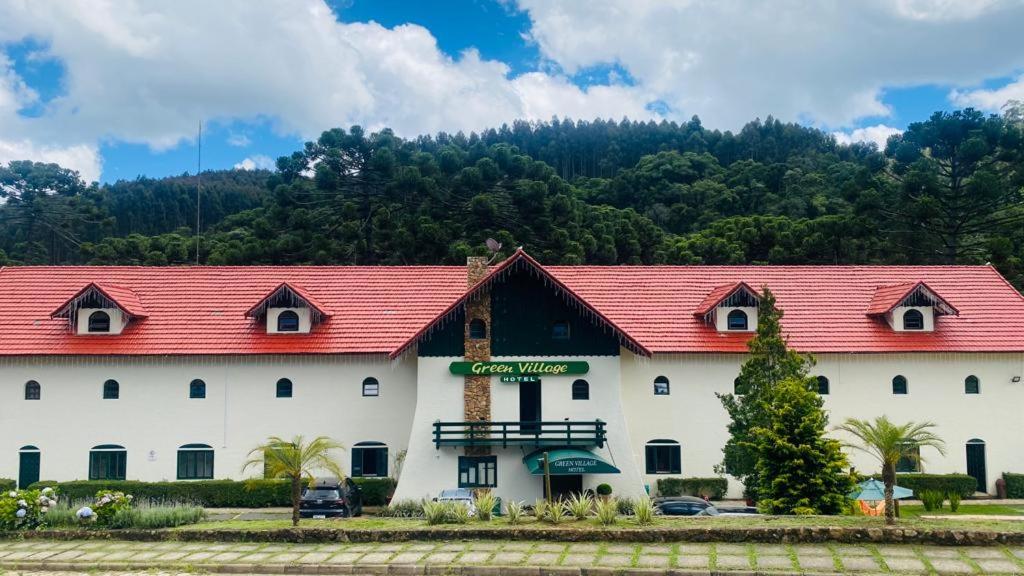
681,505
329,498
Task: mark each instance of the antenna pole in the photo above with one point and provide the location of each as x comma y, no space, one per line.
199,185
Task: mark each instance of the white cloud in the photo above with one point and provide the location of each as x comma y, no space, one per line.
878,134
257,162
989,100
826,63
239,140
82,157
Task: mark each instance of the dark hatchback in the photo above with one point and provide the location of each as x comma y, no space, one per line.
681,505
329,498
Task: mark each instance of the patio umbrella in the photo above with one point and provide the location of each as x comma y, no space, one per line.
874,490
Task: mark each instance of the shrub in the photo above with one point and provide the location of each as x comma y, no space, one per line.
932,499
607,511
604,490
540,508
960,483
376,491
484,501
434,512
580,505
625,506
954,501
643,510
445,513
804,511
556,512
1014,485
514,510
25,509
7,485
713,488
110,505
403,509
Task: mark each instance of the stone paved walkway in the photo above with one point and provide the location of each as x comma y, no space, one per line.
505,558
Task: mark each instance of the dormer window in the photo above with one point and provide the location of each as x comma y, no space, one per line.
288,309
737,320
909,307
913,319
288,321
99,321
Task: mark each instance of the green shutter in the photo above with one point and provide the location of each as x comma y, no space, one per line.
382,462
357,462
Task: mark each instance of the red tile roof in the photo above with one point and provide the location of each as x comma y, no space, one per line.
125,298
715,297
257,309
200,310
888,297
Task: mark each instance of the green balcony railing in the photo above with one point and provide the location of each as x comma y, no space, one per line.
504,434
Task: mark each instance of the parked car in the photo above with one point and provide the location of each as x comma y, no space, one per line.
680,505
329,497
459,495
728,511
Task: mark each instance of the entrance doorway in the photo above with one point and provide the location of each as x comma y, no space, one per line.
564,485
529,405
28,466
976,462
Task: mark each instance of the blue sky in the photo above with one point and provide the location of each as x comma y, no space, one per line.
118,91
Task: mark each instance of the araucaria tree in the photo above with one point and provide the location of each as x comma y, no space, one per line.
798,469
296,460
888,443
770,363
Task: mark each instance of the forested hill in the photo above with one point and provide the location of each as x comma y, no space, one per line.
948,190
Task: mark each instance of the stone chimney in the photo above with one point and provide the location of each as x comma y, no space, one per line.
476,395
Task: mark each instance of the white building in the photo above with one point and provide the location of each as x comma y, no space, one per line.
177,373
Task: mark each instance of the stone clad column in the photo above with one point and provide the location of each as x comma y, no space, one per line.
476,395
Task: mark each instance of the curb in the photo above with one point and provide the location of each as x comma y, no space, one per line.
382,569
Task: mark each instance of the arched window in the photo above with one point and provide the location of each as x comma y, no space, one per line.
822,385
371,387
197,389
738,388
477,329
581,390
910,458
737,320
32,390
99,321
899,385
663,457
195,462
28,466
560,330
661,387
288,321
111,390
976,463
107,462
370,459
284,388
913,320
972,385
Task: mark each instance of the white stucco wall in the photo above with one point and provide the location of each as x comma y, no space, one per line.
302,313
722,318
440,398
117,321
154,412
895,318
860,387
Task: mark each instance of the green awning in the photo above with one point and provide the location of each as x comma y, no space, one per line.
565,461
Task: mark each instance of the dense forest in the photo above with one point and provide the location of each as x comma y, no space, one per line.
947,190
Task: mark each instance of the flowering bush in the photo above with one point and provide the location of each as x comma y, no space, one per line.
24,509
108,504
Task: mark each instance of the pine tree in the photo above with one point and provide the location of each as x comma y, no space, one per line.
771,362
799,470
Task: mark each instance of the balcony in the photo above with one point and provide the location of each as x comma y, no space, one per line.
586,433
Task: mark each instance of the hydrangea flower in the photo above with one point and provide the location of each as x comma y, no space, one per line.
20,513
84,512
12,494
22,504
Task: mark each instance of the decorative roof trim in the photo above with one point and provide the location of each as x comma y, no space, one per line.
721,294
887,298
519,257
260,308
120,297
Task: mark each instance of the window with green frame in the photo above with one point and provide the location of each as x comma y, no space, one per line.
195,462
107,462
369,460
478,471
663,457
910,458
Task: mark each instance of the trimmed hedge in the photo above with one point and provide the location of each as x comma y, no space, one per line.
946,483
258,493
1014,485
713,488
6,485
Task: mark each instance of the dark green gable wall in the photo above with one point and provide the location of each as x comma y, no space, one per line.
523,309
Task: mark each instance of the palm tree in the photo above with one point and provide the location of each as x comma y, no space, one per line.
888,443
295,460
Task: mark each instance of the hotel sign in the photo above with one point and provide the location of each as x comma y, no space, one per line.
508,369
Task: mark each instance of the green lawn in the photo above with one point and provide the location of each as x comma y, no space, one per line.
914,511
